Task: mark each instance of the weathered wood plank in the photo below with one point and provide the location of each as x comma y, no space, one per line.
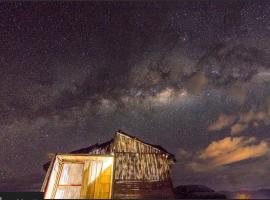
138,190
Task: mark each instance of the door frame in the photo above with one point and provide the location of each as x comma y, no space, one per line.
72,158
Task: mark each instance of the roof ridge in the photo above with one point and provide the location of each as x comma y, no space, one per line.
158,147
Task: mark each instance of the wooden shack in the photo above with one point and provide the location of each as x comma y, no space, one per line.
122,168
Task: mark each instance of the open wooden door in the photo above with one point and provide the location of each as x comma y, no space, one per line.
80,177
97,182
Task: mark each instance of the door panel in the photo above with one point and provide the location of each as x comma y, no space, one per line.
69,185
71,174
98,179
67,192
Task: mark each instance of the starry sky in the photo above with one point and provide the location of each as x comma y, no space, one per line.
191,76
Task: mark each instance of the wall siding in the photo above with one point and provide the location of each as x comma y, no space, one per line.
141,171
143,190
135,160
124,143
132,166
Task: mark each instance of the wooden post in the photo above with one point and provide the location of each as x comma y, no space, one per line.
48,175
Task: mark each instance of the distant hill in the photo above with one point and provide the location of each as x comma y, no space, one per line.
204,192
197,192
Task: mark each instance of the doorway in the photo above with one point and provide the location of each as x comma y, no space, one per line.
80,177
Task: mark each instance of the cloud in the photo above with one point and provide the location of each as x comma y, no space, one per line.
230,62
229,150
252,115
197,83
262,76
222,122
183,154
247,117
238,92
238,128
239,122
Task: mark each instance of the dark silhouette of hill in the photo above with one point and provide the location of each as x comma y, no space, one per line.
197,192
204,192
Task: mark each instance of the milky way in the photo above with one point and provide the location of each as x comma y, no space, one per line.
191,76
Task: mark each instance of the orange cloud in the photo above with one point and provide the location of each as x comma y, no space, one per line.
238,128
222,122
247,117
240,122
229,150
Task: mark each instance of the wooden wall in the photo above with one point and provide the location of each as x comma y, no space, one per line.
135,160
124,143
143,190
141,170
147,166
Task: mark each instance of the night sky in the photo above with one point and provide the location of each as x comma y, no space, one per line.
191,76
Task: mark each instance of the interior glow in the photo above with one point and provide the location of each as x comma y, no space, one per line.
99,167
